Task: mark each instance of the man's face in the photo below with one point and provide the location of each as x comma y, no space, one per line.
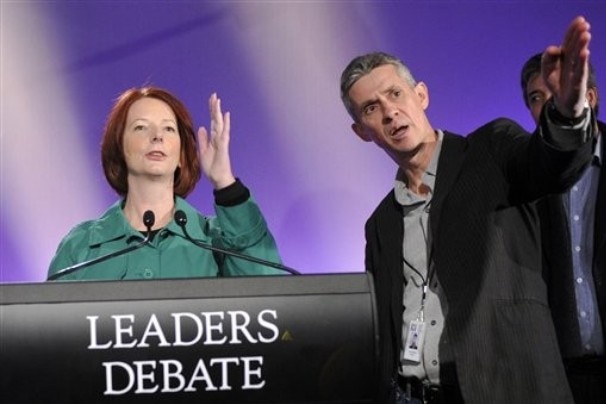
537,95
391,112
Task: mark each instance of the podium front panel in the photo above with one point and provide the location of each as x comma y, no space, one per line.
270,339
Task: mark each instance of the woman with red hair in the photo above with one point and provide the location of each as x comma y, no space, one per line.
150,158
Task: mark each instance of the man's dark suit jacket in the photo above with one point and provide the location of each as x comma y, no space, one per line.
558,259
487,254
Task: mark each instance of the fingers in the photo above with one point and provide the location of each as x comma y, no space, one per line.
226,124
220,122
575,52
216,118
551,57
571,56
575,47
202,139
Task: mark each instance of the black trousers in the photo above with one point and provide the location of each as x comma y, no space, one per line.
415,391
587,379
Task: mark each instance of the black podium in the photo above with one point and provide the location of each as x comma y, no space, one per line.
270,339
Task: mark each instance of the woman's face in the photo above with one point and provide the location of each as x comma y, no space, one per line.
152,145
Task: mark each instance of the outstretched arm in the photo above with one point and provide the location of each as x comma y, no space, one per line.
214,149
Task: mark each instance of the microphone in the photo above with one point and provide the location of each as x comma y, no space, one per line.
181,220
148,220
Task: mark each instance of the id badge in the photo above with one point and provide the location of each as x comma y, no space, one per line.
414,341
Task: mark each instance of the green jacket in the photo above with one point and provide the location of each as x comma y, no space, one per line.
170,254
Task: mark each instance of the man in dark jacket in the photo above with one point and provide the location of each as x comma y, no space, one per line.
455,248
574,241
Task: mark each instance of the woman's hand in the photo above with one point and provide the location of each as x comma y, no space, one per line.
214,149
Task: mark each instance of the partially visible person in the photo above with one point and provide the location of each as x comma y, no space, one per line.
151,160
574,241
454,248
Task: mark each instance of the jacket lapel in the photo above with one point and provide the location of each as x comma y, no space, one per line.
449,165
599,240
600,219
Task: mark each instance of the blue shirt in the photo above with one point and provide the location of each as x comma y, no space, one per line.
580,205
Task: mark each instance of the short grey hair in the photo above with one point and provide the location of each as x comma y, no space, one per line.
364,64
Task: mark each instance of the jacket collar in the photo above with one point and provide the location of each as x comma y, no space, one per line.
112,225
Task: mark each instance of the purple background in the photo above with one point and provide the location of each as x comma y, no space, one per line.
276,66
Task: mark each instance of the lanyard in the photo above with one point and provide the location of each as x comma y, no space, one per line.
424,285
430,268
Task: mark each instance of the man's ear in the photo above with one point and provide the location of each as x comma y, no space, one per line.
423,94
592,96
359,130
